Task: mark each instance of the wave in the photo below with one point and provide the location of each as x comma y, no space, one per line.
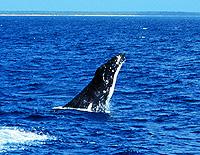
13,138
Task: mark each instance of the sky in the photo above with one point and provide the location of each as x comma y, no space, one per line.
100,5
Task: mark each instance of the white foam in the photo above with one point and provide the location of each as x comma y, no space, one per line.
12,137
70,108
79,109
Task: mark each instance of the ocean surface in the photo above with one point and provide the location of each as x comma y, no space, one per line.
46,61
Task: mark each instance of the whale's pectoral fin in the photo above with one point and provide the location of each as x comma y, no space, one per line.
97,94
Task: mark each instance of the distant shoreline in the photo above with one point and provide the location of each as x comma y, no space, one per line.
68,13
78,15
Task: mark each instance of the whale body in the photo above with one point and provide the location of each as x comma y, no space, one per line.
95,97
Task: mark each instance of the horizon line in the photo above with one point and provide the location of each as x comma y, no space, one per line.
45,11
97,13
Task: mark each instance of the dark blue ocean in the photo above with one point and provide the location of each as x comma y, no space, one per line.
46,61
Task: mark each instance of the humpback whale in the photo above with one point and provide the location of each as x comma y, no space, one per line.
95,97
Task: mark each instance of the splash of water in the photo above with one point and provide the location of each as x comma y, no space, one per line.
12,138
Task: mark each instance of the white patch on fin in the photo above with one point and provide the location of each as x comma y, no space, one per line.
114,82
90,107
118,59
